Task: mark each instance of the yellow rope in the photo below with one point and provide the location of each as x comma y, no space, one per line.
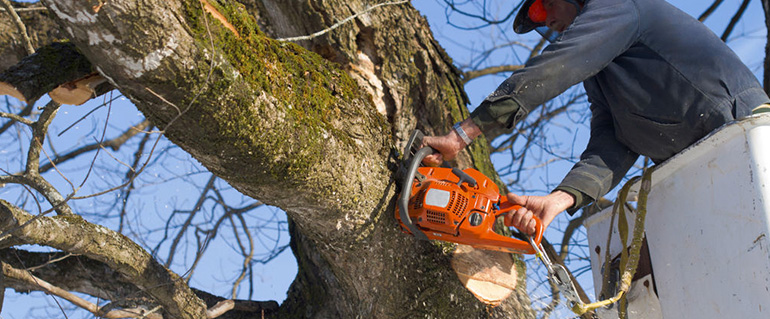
628,260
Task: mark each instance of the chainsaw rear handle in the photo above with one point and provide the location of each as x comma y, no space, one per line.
506,207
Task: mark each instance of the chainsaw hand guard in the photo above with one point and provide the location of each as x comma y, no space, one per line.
454,205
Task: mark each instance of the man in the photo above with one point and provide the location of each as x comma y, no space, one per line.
657,81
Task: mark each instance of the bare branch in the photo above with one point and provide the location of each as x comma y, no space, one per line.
188,222
26,9
25,276
220,308
734,20
130,175
39,131
16,118
483,17
247,256
114,144
27,110
710,10
470,75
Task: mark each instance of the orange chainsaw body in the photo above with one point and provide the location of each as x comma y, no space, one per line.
444,208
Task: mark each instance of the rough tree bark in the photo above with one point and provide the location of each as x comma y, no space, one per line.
308,127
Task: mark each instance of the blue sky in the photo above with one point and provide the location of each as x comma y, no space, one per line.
747,40
273,279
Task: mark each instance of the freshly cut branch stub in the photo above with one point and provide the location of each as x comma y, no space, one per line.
8,89
77,92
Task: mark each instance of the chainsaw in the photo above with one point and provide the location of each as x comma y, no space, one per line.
461,206
454,205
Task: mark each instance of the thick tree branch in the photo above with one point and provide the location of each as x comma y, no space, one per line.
26,277
75,235
42,72
94,278
40,28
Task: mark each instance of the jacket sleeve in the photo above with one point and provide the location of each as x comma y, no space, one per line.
602,31
602,165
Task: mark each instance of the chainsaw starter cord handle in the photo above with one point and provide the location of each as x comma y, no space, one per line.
464,177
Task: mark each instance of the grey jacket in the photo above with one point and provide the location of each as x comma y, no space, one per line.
656,78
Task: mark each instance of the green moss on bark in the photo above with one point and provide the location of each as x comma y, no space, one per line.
299,88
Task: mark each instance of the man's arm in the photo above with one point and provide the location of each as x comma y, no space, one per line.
449,145
603,164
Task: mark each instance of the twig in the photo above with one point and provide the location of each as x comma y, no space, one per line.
710,10
130,177
247,257
114,144
27,110
26,9
338,24
16,118
736,17
456,9
198,206
470,75
19,25
52,261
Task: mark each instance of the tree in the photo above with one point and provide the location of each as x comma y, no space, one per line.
293,126
310,129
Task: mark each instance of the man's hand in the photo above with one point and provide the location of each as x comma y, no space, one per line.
544,207
449,145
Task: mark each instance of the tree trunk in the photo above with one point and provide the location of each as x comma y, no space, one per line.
310,128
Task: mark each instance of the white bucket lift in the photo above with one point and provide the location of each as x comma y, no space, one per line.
707,228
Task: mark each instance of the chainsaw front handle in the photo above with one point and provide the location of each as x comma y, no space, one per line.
403,200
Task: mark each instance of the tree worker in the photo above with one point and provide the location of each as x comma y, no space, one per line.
657,80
